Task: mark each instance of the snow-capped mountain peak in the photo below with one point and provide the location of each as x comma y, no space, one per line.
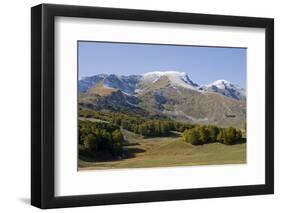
225,88
222,84
176,78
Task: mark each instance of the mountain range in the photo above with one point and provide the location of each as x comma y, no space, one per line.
171,93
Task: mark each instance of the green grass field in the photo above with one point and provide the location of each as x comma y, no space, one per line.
167,152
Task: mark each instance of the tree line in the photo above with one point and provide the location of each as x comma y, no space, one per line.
98,137
107,137
200,134
152,126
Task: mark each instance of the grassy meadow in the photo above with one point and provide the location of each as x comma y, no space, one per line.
167,152
138,151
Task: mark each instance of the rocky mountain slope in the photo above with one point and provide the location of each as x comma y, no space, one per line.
171,94
226,88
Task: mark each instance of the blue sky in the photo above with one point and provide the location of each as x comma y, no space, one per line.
203,64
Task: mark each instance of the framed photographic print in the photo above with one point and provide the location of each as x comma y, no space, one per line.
139,106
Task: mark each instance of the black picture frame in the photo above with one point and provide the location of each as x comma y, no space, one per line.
43,117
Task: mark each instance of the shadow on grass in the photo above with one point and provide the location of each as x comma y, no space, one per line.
241,141
128,152
131,144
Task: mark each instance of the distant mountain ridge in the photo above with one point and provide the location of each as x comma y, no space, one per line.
133,84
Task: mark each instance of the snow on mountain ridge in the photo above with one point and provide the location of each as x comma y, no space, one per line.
132,84
222,84
225,88
176,78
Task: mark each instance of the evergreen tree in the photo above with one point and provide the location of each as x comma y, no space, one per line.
90,142
213,133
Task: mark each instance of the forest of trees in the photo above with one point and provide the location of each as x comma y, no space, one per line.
209,134
152,128
105,136
147,127
97,137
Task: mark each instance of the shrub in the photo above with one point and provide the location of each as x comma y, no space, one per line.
192,136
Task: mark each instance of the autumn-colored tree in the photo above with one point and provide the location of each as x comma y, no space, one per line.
192,136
